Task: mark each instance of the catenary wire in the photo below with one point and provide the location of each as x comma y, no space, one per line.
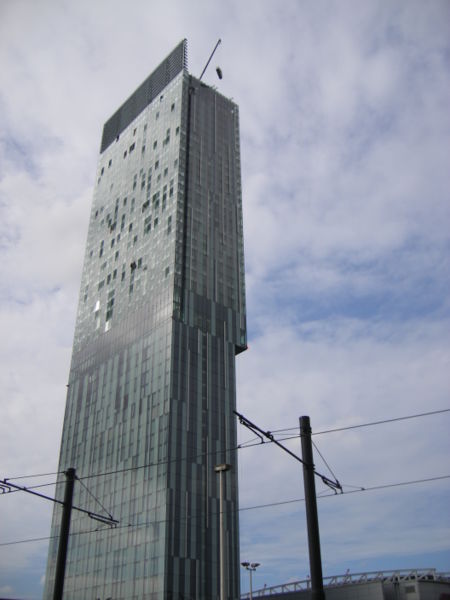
240,447
424,414
247,508
31,487
95,498
38,475
393,420
248,445
322,457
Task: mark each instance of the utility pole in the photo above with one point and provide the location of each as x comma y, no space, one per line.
312,520
64,535
309,473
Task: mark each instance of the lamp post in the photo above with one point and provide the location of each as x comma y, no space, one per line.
250,568
221,470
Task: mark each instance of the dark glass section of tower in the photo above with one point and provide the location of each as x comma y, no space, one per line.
146,92
151,390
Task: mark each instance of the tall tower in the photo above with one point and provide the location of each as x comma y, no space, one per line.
161,316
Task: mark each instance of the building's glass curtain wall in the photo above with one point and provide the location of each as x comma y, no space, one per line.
152,382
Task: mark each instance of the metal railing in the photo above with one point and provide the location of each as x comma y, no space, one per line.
354,578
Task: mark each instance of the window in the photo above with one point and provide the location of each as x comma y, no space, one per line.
172,108
109,306
132,146
102,171
110,163
125,154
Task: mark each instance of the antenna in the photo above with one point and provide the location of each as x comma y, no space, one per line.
209,59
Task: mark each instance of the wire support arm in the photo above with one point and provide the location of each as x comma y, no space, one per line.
334,485
6,486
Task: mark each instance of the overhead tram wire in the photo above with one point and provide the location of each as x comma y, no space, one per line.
244,509
247,445
382,422
322,457
95,498
37,475
31,487
370,423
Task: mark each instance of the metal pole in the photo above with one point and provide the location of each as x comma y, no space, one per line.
312,520
251,584
222,543
209,59
64,535
223,582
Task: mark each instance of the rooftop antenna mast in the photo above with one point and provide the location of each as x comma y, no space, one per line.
209,59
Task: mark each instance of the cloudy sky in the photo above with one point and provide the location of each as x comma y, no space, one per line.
345,132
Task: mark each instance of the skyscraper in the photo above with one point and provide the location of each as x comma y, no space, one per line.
161,316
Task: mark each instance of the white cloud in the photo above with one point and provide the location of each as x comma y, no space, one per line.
344,128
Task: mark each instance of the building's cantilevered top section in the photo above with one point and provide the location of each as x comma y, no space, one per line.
145,93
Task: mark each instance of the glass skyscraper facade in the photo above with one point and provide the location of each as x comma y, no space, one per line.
161,316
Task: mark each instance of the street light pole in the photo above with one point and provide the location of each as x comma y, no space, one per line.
223,588
250,568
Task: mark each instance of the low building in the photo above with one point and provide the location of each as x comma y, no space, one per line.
413,584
